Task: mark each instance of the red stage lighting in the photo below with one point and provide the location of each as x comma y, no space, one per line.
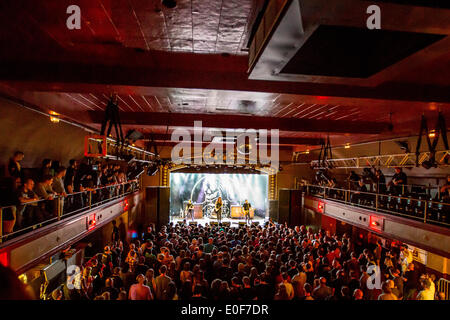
376,223
320,207
4,259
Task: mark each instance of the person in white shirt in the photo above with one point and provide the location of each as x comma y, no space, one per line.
288,285
140,291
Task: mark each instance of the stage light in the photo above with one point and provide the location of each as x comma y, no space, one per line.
4,259
152,169
347,146
307,151
432,134
320,207
54,118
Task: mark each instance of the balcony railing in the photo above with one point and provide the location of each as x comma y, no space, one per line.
32,215
422,208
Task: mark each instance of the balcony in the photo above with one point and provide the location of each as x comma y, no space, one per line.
28,246
34,215
417,221
419,207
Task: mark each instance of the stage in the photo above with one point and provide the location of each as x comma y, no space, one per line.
233,222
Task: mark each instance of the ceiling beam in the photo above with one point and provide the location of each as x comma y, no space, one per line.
197,72
186,120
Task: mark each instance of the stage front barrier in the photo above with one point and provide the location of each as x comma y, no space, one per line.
237,212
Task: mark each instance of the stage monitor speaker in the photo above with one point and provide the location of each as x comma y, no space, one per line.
193,223
213,223
157,205
255,223
242,224
226,224
289,207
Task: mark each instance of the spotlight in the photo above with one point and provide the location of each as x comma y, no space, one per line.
54,118
152,169
432,134
429,164
307,151
128,157
134,135
347,146
169,3
403,145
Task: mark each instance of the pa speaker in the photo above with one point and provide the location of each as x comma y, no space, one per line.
289,207
157,205
273,210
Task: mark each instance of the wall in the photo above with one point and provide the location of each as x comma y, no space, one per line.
34,134
286,178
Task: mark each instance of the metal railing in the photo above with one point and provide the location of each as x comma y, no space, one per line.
421,208
443,285
35,214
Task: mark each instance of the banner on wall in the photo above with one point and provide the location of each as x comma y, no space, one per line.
419,255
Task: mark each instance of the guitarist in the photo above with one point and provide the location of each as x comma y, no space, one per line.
218,209
246,208
190,210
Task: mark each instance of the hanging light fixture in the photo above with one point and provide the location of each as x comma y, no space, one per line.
432,134
54,117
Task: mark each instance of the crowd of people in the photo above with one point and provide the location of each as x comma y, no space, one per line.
40,194
270,262
376,181
371,190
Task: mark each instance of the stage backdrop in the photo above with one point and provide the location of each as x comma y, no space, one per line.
205,188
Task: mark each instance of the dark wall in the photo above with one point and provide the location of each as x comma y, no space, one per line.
34,134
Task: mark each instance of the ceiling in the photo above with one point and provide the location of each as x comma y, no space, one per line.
192,60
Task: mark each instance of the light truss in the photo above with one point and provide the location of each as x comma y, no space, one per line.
405,160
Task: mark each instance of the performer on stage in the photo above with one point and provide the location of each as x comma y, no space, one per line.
218,209
246,208
190,210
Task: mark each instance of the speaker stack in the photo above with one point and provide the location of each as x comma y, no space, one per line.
289,207
157,205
